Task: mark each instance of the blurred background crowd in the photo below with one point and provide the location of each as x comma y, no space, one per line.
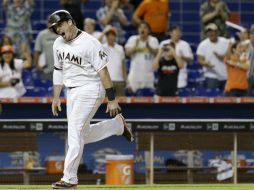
155,47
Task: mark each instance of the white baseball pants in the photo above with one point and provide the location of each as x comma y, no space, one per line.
82,104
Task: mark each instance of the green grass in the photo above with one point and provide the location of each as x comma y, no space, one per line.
141,187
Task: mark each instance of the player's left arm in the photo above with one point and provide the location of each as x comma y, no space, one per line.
113,107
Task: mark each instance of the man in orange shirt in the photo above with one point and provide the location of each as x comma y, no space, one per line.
156,14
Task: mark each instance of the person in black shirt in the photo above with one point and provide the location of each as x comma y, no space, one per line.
168,64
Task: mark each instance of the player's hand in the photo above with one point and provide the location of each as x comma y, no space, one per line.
56,106
113,108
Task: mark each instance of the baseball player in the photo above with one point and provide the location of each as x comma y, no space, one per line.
81,66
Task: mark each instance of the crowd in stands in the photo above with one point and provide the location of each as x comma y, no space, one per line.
153,61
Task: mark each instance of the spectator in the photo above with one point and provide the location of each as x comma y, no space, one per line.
89,27
11,85
141,48
211,52
18,25
156,14
168,63
238,64
74,8
43,53
116,66
214,11
183,50
6,40
111,14
251,70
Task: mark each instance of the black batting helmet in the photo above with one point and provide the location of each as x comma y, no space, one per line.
58,17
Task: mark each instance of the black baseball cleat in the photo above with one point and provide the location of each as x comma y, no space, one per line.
127,131
63,185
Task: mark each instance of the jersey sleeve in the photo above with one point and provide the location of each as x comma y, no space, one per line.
98,56
58,65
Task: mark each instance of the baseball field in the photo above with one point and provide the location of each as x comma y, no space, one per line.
141,187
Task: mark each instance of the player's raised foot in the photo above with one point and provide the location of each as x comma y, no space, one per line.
63,185
127,131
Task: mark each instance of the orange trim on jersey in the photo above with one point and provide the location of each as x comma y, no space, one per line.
98,70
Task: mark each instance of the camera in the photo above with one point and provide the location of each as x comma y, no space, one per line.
14,81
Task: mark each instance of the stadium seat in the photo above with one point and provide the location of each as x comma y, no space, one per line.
184,92
31,91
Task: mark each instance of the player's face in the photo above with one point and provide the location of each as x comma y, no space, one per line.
64,29
7,57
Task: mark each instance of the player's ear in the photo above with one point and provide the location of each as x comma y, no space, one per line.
69,22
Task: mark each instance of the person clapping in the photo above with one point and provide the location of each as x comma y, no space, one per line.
11,85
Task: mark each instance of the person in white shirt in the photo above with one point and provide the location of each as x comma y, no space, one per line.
116,66
142,49
183,50
211,52
81,66
11,85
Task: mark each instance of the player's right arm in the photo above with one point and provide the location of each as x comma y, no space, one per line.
56,102
57,84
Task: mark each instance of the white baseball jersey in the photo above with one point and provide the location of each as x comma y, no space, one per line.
80,59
